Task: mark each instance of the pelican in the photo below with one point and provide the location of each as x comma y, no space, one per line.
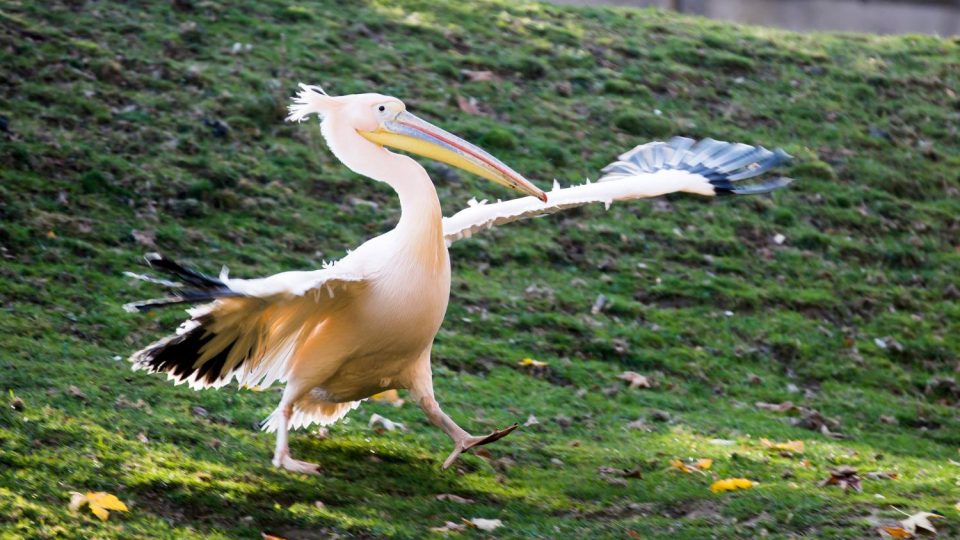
366,323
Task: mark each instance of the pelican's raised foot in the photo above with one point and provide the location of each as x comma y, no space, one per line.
295,465
462,445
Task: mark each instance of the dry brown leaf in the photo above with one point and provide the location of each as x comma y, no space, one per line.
144,238
920,520
844,477
266,536
468,105
635,380
775,407
883,475
74,391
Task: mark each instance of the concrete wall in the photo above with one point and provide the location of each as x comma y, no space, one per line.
883,17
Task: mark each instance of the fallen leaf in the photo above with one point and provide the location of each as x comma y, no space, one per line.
697,466
390,397
385,423
454,498
530,362
449,527
731,484
266,536
484,524
775,407
615,476
807,418
897,532
100,503
920,520
635,380
478,76
882,475
16,403
844,477
468,105
73,391
144,238
792,447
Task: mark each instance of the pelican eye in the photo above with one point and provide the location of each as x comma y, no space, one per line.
381,108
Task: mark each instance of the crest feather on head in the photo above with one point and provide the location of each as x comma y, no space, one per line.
310,100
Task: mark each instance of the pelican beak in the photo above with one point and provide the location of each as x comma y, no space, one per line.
411,134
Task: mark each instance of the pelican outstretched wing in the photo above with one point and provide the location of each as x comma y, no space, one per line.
246,329
707,167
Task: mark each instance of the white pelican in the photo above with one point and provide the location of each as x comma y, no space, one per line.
366,323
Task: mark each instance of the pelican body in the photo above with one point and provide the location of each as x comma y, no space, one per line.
366,323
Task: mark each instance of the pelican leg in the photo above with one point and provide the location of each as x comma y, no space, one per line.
462,441
281,456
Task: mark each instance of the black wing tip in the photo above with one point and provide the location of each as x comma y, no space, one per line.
729,188
177,356
197,287
722,163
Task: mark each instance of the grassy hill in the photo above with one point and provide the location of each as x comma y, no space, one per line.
139,126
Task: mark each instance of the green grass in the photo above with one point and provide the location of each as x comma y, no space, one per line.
137,116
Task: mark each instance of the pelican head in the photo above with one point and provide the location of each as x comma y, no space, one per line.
385,121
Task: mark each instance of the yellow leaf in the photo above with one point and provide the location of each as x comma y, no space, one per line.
702,464
99,503
530,362
106,500
731,484
794,447
100,512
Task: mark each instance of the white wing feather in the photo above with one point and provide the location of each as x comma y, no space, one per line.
481,216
